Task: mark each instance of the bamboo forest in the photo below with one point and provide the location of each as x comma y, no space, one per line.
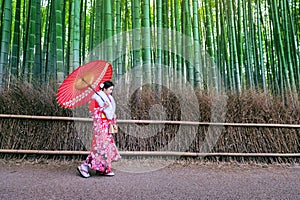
193,61
252,44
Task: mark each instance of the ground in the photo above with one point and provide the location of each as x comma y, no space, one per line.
50,179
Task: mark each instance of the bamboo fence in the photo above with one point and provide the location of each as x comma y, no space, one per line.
153,153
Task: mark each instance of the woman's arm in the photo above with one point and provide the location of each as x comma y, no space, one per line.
100,101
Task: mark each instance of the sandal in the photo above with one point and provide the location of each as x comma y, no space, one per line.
104,174
109,174
83,172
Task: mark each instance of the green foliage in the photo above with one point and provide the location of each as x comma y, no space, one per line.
252,44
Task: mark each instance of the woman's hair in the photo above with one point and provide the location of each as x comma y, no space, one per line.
106,84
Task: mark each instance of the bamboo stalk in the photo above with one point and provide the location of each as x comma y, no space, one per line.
154,121
152,153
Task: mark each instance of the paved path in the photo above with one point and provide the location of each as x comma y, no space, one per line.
60,180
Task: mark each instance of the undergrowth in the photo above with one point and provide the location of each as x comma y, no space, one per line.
248,107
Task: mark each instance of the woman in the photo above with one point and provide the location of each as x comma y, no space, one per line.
103,150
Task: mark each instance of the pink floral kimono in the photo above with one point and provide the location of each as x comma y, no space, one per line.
103,150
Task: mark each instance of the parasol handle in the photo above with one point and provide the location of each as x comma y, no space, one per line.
90,86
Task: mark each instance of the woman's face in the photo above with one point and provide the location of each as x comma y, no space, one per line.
109,90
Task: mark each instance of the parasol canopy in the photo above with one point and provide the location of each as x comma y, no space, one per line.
81,84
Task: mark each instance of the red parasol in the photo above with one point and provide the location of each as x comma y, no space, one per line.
81,84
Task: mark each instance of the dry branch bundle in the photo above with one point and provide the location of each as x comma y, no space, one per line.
249,107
